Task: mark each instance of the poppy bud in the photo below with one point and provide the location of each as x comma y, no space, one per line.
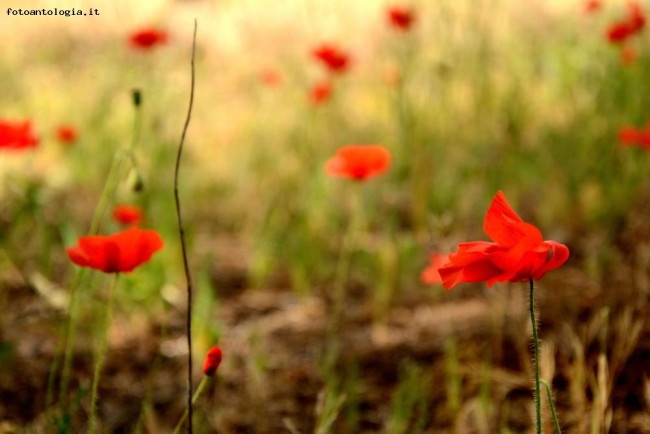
136,183
212,361
136,94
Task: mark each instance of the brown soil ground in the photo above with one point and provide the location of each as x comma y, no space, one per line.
595,335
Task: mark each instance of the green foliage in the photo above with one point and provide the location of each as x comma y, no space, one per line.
410,402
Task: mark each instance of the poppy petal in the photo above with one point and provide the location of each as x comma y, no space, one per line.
504,226
430,275
557,254
77,256
470,264
118,253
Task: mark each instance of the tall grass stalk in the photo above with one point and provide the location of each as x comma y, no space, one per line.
409,404
329,405
343,264
100,356
116,172
454,379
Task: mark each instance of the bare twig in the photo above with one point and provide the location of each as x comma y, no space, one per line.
181,232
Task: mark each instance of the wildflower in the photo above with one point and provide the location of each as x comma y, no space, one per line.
17,135
430,275
320,92
591,6
121,252
632,24
335,59
212,361
518,254
619,32
147,38
631,136
270,77
401,18
628,55
358,162
66,134
127,214
637,17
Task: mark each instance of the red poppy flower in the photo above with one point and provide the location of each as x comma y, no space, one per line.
401,18
430,275
320,92
358,162
619,32
17,135
118,253
271,77
212,361
631,136
127,214
519,253
636,17
335,59
592,6
66,134
632,24
628,55
147,38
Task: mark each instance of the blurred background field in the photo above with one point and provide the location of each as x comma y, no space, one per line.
476,97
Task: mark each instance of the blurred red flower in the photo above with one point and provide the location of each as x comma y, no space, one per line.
335,59
401,17
17,135
212,361
121,252
628,55
320,92
358,162
618,32
271,77
592,5
430,275
66,134
631,136
127,214
632,24
519,253
147,38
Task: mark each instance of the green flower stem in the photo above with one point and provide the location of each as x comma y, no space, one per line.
538,407
73,308
68,342
100,356
550,403
118,165
199,391
343,265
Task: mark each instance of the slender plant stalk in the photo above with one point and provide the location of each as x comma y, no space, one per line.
343,264
73,305
181,233
117,168
538,407
550,403
64,346
197,394
100,356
